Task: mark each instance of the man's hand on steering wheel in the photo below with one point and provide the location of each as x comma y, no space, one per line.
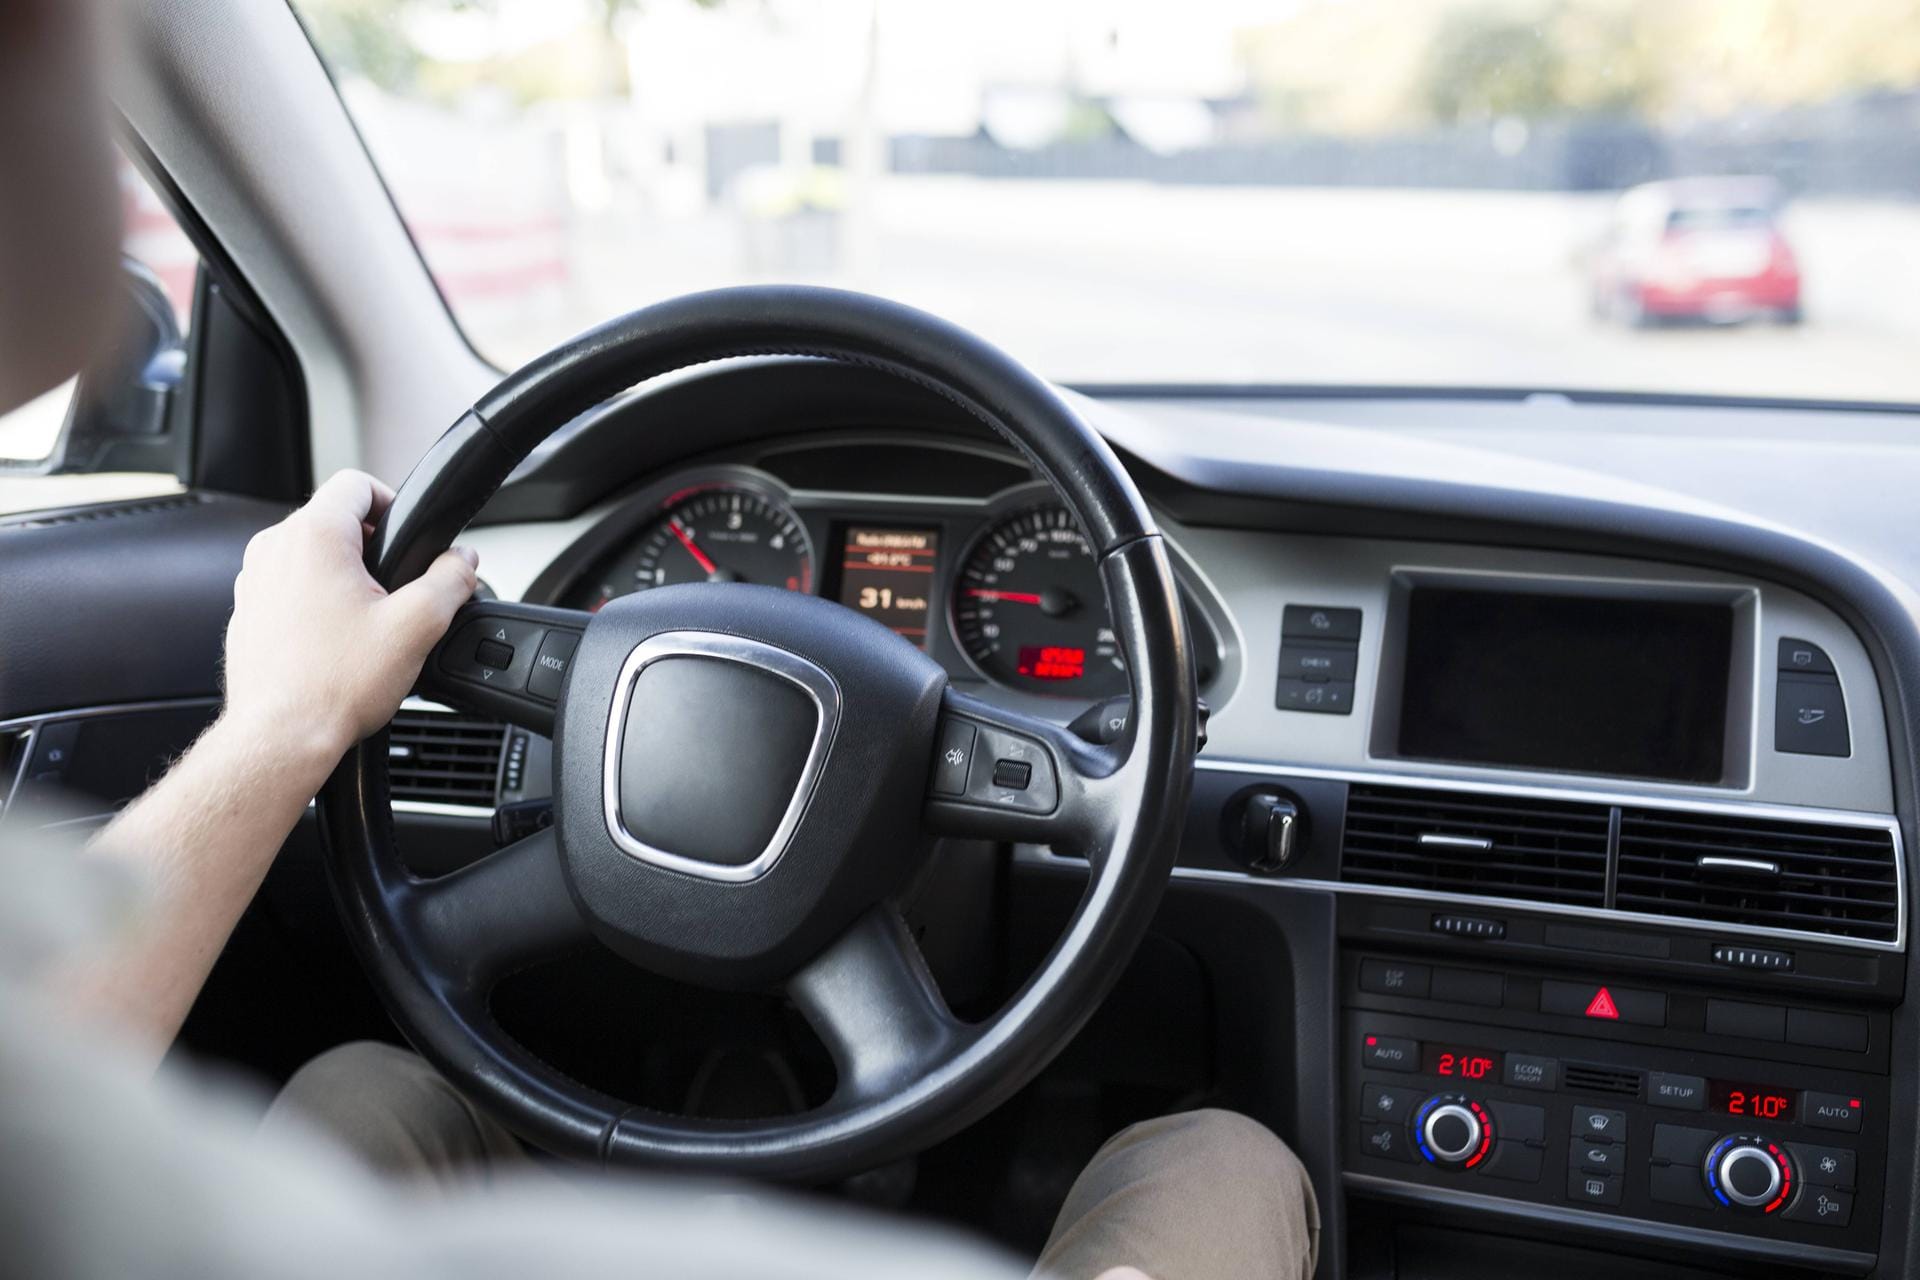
319,655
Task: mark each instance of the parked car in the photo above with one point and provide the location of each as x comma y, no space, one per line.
1699,249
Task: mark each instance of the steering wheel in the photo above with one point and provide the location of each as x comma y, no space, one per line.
747,779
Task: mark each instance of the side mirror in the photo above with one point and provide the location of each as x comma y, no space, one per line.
122,410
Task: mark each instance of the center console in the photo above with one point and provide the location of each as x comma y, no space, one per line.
1616,881
1658,1110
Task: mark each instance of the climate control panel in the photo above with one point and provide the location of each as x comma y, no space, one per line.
1654,1138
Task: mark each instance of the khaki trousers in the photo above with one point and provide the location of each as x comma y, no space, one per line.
1203,1195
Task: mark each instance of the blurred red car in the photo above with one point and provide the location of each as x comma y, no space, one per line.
1706,249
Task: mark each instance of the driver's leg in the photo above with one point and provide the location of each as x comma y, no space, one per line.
1204,1195
398,1115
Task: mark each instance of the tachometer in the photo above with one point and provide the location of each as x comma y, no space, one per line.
1030,610
711,533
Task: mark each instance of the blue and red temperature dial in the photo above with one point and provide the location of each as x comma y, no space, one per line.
1452,1131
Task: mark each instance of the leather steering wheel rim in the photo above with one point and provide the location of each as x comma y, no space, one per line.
910,1073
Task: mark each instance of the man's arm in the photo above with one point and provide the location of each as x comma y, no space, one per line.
317,658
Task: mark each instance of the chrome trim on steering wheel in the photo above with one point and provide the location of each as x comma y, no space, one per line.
812,679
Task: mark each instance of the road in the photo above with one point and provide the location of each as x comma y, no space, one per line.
1131,282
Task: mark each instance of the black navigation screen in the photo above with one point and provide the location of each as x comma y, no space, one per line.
1636,688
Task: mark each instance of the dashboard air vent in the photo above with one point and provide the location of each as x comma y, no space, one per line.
112,511
1838,880
444,758
1623,1082
1461,842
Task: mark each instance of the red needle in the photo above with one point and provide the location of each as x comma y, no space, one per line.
1013,597
699,556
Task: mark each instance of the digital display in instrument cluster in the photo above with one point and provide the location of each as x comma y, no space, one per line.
887,574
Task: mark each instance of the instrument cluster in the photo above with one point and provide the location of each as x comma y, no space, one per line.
1004,590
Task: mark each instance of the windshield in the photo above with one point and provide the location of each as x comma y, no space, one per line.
1666,196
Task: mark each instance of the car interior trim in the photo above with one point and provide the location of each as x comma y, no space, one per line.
1824,817
1563,1217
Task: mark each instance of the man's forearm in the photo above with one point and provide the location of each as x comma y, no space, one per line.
203,838
318,656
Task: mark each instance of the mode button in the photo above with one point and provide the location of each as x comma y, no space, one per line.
551,663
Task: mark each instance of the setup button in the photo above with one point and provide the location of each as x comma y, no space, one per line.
1687,1093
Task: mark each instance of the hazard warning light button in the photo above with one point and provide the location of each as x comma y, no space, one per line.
1604,1002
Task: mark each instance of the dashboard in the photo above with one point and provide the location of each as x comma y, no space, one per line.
1547,858
1609,843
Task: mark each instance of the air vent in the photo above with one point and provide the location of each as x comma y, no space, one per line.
1839,880
112,511
1460,842
1618,1081
444,758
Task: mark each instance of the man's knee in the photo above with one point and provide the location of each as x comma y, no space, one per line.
362,1086
1202,1193
1216,1144
393,1111
365,1072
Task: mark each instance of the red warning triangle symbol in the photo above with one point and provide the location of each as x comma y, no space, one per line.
1601,1006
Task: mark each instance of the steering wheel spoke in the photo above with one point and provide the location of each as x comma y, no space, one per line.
510,909
1000,774
508,661
876,1007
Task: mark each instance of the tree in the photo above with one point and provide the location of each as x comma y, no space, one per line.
1485,63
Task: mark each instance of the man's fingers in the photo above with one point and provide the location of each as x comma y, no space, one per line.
382,499
353,494
427,604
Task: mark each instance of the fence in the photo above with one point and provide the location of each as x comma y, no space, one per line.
1859,147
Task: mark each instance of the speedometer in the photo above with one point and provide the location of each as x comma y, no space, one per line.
721,532
1030,611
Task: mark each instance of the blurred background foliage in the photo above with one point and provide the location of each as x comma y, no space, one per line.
1354,67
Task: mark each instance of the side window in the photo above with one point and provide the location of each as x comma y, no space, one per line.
61,450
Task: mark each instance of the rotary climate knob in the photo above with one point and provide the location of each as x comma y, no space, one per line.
1749,1173
1453,1131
